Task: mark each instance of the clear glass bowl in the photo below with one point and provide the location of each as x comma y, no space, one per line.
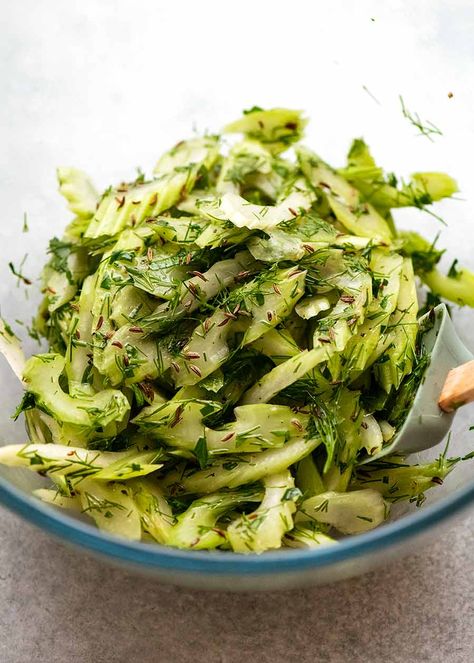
32,186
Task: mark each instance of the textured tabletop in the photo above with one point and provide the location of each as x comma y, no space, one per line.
59,605
107,86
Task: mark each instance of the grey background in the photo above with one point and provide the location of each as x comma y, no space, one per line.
59,605
107,86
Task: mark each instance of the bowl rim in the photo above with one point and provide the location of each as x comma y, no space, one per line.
214,563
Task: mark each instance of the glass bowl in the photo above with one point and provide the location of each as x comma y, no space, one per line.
30,184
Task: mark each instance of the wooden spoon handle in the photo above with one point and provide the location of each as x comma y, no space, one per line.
458,388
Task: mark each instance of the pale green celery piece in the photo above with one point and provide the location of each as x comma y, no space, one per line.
61,286
277,344
242,214
177,423
78,190
311,307
276,298
349,419
41,375
338,332
60,460
285,374
278,246
197,528
54,497
233,471
264,528
359,352
364,221
371,435
206,350
71,435
77,359
221,233
112,507
44,429
387,269
160,271
275,184
257,427
308,478
338,479
130,356
360,157
245,158
351,242
196,231
203,151
10,348
175,177
355,283
130,304
396,480
191,203
398,342
132,206
38,430
422,188
137,465
360,218
270,184
388,431
276,128
155,512
319,174
76,228
281,245
214,382
111,276
184,230
339,426
458,288
308,535
350,513
158,274
201,288
436,185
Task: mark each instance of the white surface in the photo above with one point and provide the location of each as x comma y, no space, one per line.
107,86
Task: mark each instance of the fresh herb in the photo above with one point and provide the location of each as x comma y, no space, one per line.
425,128
453,272
201,452
17,271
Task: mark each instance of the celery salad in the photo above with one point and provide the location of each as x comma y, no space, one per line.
228,339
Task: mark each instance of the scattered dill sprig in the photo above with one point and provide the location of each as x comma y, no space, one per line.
425,128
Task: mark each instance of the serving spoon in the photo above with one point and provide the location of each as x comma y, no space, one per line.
447,383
